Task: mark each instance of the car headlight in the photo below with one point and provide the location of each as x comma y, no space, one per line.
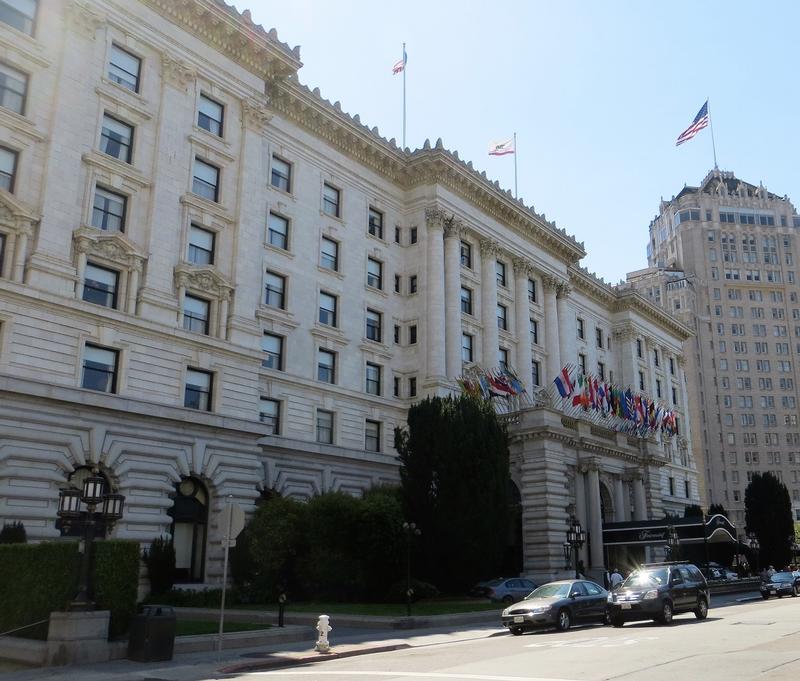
504,613
540,610
653,593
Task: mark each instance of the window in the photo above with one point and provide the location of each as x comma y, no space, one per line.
502,358
325,427
329,254
275,290
412,387
374,326
500,272
582,363
375,273
672,486
272,346
197,394
658,388
375,223
396,386
598,334
672,366
686,488
116,139
99,369
281,177
373,379
412,334
601,371
397,234
397,281
330,200
372,436
397,334
124,68
8,168
641,380
502,317
581,330
210,115
532,290
466,254
195,314
639,347
278,231
2,251
656,358
269,413
100,286
327,309
13,87
534,331
205,181
18,14
536,373
413,235
466,347
201,246
412,284
466,300
326,366
108,211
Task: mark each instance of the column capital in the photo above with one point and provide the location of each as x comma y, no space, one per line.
435,217
489,247
632,474
588,465
176,72
624,333
522,266
681,359
454,227
551,283
563,290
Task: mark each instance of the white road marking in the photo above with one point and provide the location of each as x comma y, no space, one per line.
594,642
412,675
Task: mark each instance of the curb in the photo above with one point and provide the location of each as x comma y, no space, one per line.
286,660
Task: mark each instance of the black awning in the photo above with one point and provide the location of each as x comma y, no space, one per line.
654,532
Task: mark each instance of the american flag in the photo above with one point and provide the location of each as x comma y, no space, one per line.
700,121
400,65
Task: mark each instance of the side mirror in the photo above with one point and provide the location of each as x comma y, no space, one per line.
573,595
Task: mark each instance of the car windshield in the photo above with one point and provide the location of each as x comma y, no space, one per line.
550,590
782,577
639,578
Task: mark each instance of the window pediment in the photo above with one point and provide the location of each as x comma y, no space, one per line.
14,215
204,279
113,247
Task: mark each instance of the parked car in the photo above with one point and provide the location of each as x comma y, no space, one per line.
481,589
510,590
780,584
658,591
715,571
559,604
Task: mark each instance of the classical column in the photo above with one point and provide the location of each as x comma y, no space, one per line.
650,348
452,296
491,343
133,286
522,309
7,263
639,498
222,331
625,343
580,508
566,332
595,516
435,339
19,256
551,331
620,500
81,269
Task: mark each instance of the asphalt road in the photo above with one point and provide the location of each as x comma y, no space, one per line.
744,641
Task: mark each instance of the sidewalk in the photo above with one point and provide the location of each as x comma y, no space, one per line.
344,642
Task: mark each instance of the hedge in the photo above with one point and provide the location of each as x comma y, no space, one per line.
36,579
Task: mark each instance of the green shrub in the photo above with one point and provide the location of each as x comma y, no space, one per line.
115,567
160,561
36,579
381,542
189,598
421,590
13,534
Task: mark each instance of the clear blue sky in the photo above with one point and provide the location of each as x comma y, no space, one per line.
596,91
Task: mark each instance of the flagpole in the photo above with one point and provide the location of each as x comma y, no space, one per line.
713,144
404,95
515,165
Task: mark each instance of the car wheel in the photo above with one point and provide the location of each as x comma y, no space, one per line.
666,613
765,596
564,620
701,611
517,631
617,622
606,617
794,591
508,600
780,595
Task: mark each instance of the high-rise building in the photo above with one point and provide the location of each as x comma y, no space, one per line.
721,257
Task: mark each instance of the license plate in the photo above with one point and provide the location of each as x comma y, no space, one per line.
519,619
625,606
772,591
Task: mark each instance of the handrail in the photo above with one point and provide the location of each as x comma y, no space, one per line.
27,626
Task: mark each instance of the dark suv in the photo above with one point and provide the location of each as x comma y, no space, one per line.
658,591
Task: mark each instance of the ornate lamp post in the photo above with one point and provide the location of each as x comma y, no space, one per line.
411,530
755,547
92,495
576,537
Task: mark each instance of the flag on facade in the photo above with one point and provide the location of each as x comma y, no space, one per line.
700,121
400,65
563,383
501,148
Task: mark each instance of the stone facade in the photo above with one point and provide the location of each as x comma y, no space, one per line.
214,283
721,259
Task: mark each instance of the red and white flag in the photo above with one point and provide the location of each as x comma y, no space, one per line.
501,148
400,65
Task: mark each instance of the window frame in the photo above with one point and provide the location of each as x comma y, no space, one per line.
137,83
101,190
337,205
273,235
113,374
272,421
12,73
281,178
266,360
113,293
193,229
198,182
105,140
209,393
221,122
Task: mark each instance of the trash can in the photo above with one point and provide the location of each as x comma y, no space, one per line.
152,634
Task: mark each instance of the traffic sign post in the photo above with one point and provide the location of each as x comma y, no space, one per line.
232,522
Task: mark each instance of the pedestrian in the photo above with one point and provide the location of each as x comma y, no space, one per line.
770,571
616,578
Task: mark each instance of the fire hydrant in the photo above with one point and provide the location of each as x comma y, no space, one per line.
323,627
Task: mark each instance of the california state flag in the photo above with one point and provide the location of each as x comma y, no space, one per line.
501,148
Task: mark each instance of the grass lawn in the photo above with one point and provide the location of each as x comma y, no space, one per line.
192,627
427,607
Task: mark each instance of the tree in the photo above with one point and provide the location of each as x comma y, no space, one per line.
768,514
692,511
455,480
13,534
160,562
715,509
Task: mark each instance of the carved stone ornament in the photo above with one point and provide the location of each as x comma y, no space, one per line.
624,333
176,72
84,20
563,289
522,266
205,279
454,227
14,216
551,283
254,114
490,248
435,217
113,246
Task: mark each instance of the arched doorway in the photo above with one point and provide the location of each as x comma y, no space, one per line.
189,522
512,559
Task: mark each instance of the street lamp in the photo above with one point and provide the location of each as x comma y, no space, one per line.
673,541
576,537
411,530
754,548
93,494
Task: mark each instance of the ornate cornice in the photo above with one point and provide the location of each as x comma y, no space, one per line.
205,278
255,115
591,286
632,300
235,35
177,73
112,246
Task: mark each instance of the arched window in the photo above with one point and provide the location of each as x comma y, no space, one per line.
189,520
75,481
